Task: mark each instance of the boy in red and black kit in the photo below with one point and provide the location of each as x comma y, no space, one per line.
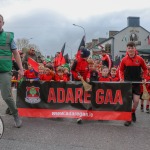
92,74
105,75
113,74
47,76
80,68
60,75
30,73
130,70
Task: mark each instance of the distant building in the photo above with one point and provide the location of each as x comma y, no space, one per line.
117,41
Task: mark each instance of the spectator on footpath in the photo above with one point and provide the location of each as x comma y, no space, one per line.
7,47
31,54
130,70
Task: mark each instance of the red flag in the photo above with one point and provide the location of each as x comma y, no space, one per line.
34,64
60,60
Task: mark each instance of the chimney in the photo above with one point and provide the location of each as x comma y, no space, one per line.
133,21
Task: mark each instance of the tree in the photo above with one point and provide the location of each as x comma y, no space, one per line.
24,45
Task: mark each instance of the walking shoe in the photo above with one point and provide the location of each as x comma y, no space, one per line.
127,123
142,110
18,121
147,110
79,121
133,117
8,111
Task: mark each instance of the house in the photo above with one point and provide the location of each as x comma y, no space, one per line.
115,45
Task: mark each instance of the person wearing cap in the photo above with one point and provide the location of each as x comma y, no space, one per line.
130,70
80,68
7,47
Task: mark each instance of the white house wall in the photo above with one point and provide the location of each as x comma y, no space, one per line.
122,38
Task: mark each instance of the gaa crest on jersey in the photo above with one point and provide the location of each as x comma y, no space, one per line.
137,61
32,95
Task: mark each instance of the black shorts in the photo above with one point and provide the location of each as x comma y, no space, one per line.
136,88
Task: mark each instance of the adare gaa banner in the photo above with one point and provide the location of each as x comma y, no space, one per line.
105,101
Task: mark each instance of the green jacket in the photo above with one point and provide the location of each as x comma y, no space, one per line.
5,51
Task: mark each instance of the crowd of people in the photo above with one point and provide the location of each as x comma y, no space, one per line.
131,68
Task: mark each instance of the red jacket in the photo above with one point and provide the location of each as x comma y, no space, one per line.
80,66
130,68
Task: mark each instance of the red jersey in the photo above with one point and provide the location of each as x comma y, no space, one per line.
104,79
80,67
114,78
46,77
67,76
58,78
30,74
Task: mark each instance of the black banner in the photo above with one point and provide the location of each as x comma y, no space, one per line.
106,101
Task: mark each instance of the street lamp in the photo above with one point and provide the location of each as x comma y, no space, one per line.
82,28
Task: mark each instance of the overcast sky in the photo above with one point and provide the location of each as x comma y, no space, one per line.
49,22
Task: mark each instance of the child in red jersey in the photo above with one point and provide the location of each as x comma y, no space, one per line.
60,75
47,76
113,74
31,73
67,73
92,73
148,89
41,72
105,75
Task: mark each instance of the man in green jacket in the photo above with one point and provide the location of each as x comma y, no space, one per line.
7,47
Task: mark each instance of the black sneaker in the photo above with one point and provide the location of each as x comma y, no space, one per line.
127,123
79,121
133,117
8,111
18,121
